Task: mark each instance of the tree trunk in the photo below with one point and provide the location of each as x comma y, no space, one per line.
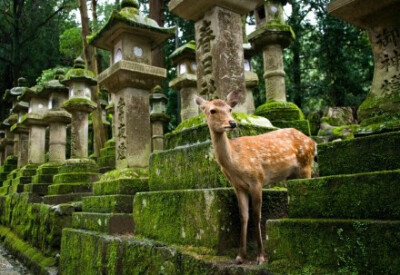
89,53
157,13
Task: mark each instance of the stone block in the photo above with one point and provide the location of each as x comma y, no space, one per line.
110,223
190,167
75,177
38,188
364,154
64,198
108,204
42,178
69,188
361,196
206,218
123,186
341,246
90,253
78,166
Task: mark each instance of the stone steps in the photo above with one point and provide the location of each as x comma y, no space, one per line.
206,218
109,223
359,196
69,188
64,198
108,204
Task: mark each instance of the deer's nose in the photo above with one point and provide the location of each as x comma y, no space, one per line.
232,123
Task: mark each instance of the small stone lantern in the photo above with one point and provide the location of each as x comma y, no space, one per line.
20,131
184,58
57,117
79,80
158,117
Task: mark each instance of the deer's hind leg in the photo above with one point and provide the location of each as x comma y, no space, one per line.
256,201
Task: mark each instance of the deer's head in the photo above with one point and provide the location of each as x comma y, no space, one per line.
219,112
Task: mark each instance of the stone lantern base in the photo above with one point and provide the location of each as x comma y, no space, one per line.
284,115
73,181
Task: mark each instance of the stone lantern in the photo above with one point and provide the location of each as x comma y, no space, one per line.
158,116
250,77
219,41
271,36
380,110
184,58
74,177
57,119
130,37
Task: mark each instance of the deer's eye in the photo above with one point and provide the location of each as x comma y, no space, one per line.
213,111
230,110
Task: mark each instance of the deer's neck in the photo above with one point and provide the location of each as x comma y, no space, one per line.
222,148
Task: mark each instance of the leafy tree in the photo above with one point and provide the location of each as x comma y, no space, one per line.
71,44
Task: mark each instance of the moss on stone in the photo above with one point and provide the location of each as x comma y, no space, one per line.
174,216
276,110
68,188
79,104
364,154
342,246
126,186
108,204
110,223
361,196
126,173
78,177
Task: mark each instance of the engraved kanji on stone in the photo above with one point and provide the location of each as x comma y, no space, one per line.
387,37
206,36
389,61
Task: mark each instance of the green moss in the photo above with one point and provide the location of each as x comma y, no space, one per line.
77,166
174,217
79,104
108,204
361,196
110,223
343,246
126,186
301,125
372,153
67,188
276,110
78,177
127,173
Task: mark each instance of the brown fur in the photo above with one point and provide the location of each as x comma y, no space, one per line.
252,162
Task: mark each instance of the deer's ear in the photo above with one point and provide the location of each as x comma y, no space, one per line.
199,101
233,99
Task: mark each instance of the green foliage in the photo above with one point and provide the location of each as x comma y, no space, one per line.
71,43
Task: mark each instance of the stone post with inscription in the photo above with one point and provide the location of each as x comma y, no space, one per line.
380,110
184,58
74,177
219,40
130,37
271,36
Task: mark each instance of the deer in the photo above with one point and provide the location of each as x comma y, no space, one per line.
252,162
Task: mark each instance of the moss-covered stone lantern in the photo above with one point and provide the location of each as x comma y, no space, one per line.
74,177
158,116
380,111
20,131
219,45
271,36
184,58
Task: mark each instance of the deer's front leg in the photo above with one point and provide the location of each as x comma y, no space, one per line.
256,200
243,202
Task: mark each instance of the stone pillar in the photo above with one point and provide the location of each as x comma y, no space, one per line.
57,142
184,58
158,118
272,35
219,40
79,105
380,110
250,77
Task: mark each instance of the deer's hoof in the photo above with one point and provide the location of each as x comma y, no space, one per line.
238,260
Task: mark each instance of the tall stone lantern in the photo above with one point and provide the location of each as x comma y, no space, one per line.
130,37
158,116
184,58
74,177
57,118
271,36
380,110
219,41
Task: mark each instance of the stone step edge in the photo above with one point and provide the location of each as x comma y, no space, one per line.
28,255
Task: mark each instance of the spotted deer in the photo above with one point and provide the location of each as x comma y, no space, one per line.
251,162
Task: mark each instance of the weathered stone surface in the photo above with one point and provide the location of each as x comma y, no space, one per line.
364,154
361,196
108,204
339,246
207,218
124,186
110,223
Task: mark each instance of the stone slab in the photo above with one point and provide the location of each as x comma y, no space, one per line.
69,188
363,154
64,198
205,218
42,178
108,204
75,177
38,188
343,246
110,223
123,186
88,252
361,196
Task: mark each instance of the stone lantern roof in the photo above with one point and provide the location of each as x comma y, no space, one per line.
33,92
79,74
157,94
17,91
55,84
186,51
129,20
